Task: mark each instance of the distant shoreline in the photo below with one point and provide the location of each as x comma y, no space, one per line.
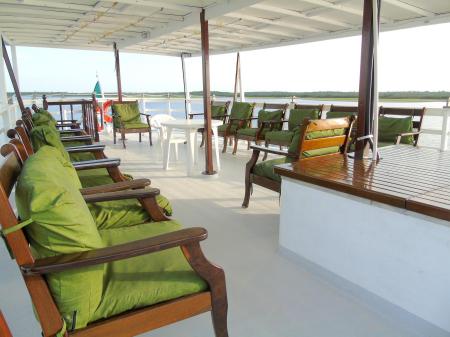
320,95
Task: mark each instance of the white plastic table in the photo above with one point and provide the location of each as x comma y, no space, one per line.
190,126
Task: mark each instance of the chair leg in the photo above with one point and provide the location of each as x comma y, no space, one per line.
175,146
123,139
225,143
248,145
140,137
114,135
235,144
231,141
203,139
248,181
150,136
265,153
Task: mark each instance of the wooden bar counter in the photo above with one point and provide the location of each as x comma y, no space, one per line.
380,228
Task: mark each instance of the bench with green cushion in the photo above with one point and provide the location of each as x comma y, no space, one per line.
266,168
48,193
389,128
45,135
263,116
296,118
240,111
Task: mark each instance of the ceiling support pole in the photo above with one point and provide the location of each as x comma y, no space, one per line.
119,80
3,91
238,81
12,77
209,170
367,95
187,95
376,4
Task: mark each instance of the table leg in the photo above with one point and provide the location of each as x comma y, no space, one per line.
216,147
166,148
190,149
196,148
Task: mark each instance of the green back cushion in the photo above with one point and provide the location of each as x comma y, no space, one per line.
147,279
41,118
241,110
297,116
128,112
47,135
340,114
62,224
217,111
275,115
390,127
46,113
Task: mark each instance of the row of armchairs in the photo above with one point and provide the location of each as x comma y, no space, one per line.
97,249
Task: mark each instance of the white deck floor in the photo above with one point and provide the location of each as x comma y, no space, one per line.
269,295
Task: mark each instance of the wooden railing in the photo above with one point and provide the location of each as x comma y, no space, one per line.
88,109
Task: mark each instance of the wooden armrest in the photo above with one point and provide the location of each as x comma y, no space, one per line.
72,138
85,148
122,195
120,186
144,114
93,164
71,131
273,151
414,133
119,252
196,113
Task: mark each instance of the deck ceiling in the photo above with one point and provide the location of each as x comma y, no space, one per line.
172,27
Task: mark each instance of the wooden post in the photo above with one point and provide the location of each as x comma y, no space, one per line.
187,96
4,329
366,94
119,80
209,170
12,77
237,79
15,64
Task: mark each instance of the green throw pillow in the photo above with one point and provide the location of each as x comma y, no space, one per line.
62,224
390,127
297,116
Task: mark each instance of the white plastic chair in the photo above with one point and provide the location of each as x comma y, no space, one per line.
176,137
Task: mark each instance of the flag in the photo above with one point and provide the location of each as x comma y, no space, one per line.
98,90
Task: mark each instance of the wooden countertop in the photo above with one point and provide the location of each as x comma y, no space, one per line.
413,178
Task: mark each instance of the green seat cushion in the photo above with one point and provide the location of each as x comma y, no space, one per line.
43,117
283,136
136,125
265,168
48,193
120,212
222,128
46,135
128,113
340,114
390,127
297,116
145,280
217,111
82,156
251,132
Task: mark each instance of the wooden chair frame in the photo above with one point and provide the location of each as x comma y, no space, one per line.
266,124
229,121
225,104
123,131
416,113
4,329
131,323
296,106
304,145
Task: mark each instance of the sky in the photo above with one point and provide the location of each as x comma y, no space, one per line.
410,59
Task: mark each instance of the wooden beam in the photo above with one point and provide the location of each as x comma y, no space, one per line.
209,169
119,80
12,76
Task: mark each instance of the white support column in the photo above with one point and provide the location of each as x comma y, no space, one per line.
15,64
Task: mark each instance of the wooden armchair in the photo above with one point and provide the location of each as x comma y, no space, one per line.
219,111
281,137
399,125
37,271
269,119
127,119
4,329
240,117
312,139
